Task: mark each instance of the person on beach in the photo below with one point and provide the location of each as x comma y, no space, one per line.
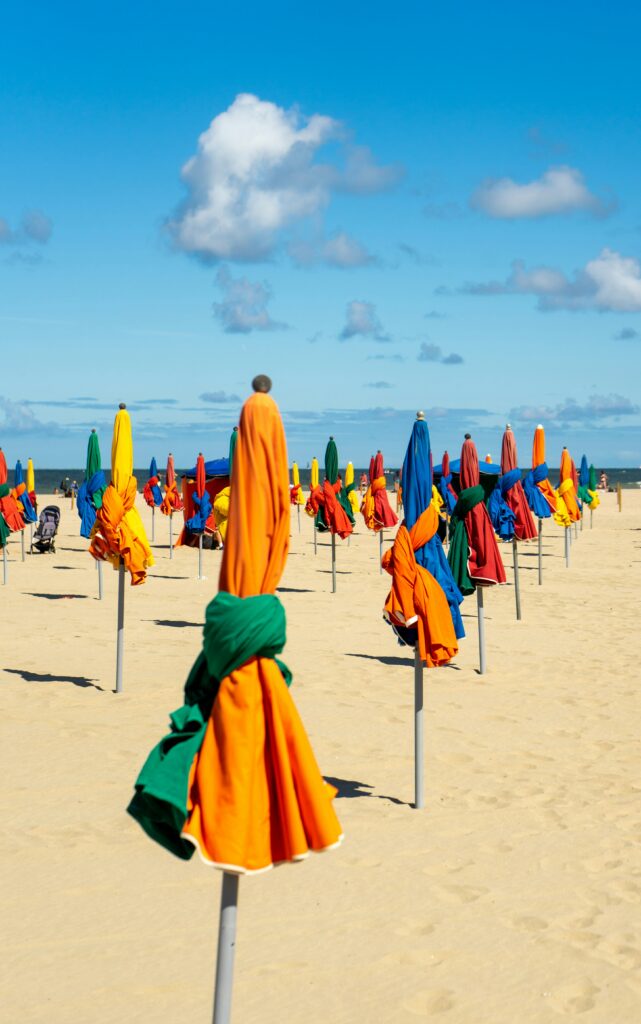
603,481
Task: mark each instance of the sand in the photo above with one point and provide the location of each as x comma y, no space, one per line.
513,897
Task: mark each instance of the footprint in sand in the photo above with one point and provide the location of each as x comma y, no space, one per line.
460,893
412,926
575,997
429,1000
529,923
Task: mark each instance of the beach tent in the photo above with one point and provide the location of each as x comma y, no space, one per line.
236,777
119,536
418,608
473,556
216,478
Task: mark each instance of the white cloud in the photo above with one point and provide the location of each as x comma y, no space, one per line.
244,305
434,354
361,320
19,419
597,407
256,173
339,250
559,190
609,283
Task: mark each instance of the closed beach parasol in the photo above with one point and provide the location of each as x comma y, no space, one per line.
5,529
202,510
31,485
423,611
592,491
296,491
330,506
119,536
152,494
514,496
309,507
473,556
89,497
375,508
236,778
539,493
21,494
171,502
567,506
350,489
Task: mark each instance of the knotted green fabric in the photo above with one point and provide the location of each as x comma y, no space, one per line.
4,529
458,555
236,630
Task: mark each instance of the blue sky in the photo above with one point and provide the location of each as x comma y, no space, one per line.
434,206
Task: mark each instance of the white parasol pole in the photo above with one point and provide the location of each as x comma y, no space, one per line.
333,563
567,547
153,523
226,948
517,582
419,753
481,622
120,632
171,535
540,552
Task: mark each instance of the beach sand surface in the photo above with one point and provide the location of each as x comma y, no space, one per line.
513,898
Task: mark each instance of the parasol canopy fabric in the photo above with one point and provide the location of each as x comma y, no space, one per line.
92,489
200,499
119,535
446,490
512,488
21,494
31,484
540,495
592,487
3,468
171,502
587,495
151,491
311,508
566,492
328,503
350,489
236,778
232,448
376,507
296,491
416,599
473,556
417,497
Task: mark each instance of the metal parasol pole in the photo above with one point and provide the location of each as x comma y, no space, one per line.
380,551
298,510
581,520
22,544
153,523
419,787
333,563
30,538
517,582
99,568
315,532
567,547
540,552
481,621
5,565
120,632
171,535
200,556
226,948
591,511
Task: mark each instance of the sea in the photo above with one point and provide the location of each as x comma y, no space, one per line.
48,480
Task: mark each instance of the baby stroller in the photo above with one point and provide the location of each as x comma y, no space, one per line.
44,539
